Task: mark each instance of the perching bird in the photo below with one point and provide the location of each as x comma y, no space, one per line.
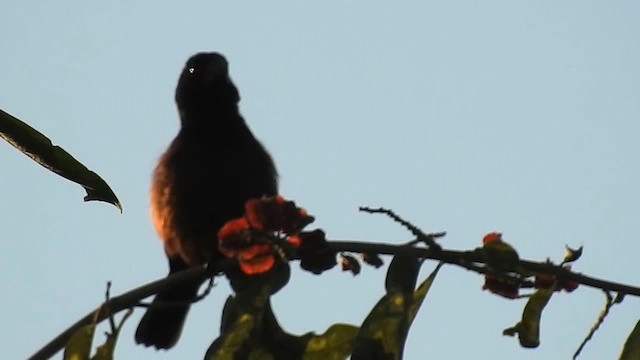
212,167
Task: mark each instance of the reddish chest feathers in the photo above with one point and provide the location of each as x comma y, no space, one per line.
199,184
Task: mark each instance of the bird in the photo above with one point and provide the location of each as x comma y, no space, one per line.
203,179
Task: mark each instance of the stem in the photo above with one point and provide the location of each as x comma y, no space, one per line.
469,260
466,258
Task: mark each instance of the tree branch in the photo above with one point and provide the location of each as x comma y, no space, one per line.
470,260
465,258
114,305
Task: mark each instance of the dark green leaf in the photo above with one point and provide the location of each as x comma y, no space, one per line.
421,293
403,274
384,331
242,318
631,349
233,343
270,341
39,148
335,344
528,329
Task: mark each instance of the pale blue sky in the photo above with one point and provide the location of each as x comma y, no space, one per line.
464,116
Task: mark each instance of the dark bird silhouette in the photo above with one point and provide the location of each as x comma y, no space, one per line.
212,167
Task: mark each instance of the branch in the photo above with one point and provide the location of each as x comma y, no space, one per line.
114,305
603,314
428,239
466,259
470,260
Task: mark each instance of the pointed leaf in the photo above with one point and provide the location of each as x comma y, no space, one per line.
421,293
384,331
39,148
79,345
528,329
631,349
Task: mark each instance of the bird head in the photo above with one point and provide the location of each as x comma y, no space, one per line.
204,84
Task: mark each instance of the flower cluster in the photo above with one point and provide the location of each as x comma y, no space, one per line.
270,227
543,281
502,258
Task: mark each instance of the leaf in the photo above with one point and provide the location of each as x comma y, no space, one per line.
40,149
233,343
106,350
528,329
79,345
631,349
571,255
421,293
334,344
241,318
402,274
270,341
384,331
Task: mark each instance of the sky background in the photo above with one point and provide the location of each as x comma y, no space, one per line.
462,116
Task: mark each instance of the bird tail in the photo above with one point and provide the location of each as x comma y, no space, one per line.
161,327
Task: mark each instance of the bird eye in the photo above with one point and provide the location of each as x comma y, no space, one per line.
191,70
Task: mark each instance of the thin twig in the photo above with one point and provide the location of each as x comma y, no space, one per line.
610,301
124,318
428,239
107,297
118,304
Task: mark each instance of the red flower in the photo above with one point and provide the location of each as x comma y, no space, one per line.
501,286
257,259
276,214
294,240
238,240
234,236
251,239
263,213
543,280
